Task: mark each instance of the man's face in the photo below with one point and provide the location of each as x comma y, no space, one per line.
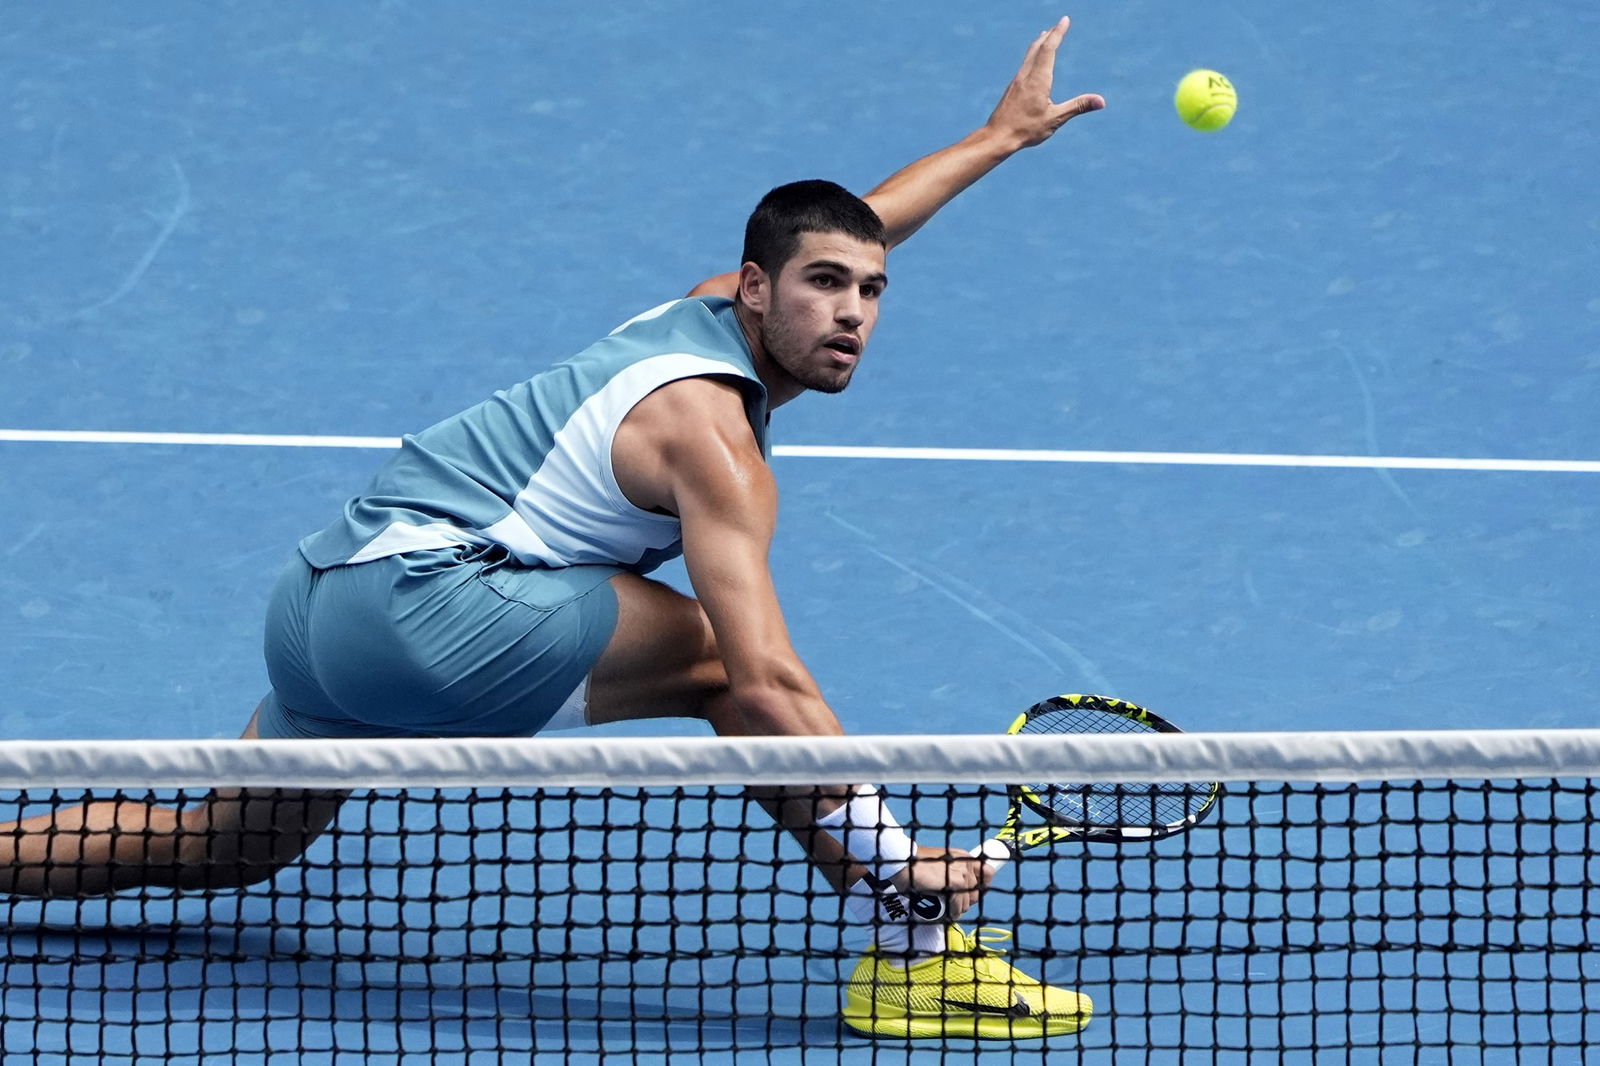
823,305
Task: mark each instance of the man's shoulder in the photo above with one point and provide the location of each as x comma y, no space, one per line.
700,323
692,336
702,309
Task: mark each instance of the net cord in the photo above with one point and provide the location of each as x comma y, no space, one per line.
895,759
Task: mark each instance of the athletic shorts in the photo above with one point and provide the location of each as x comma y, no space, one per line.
452,642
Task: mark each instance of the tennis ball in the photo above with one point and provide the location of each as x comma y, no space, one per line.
1205,100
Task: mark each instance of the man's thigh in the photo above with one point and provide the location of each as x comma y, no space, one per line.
661,660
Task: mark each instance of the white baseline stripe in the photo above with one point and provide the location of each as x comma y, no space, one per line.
819,451
254,440
1019,455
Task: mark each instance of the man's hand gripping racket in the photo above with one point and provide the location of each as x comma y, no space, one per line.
1105,812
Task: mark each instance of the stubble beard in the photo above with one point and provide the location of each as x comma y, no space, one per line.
788,351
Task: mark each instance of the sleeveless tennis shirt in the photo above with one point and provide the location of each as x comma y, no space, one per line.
529,469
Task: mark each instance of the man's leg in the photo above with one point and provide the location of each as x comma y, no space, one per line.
232,838
662,662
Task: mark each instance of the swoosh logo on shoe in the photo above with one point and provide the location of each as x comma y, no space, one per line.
1019,1009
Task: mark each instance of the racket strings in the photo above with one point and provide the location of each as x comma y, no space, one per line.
1154,804
1078,720
1149,804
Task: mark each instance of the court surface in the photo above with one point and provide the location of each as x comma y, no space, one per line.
333,223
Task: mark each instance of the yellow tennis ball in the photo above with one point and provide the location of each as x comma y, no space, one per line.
1205,100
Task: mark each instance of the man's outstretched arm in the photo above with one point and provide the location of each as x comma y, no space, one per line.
1024,117
689,451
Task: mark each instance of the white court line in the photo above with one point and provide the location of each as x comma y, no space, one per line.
813,451
255,440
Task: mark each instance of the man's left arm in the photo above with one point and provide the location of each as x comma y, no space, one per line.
1024,117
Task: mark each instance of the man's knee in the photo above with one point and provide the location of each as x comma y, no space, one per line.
704,673
239,839
697,676
662,659
659,628
202,865
709,659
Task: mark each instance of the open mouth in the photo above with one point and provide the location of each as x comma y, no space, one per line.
844,345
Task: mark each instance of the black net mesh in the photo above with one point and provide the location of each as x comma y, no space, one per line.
1440,921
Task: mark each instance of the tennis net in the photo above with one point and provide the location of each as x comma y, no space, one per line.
1354,898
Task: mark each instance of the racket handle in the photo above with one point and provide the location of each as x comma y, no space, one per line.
994,852
930,907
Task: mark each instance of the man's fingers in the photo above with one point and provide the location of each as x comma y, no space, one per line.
1048,42
1054,35
964,873
1030,58
1041,54
1039,65
960,876
1079,105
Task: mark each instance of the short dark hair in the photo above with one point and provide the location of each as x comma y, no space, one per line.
772,235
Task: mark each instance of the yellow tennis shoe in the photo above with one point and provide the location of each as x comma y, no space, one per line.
969,991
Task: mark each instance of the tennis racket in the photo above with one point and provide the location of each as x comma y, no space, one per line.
1118,813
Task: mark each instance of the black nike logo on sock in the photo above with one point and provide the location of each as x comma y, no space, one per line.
1019,1009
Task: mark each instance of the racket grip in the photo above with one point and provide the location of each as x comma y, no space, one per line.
994,852
929,907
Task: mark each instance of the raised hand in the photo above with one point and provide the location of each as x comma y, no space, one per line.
1026,115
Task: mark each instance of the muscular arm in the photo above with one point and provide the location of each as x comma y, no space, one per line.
1024,117
688,449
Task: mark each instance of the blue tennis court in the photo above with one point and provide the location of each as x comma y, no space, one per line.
340,225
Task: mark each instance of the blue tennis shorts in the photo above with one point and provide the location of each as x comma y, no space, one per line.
443,643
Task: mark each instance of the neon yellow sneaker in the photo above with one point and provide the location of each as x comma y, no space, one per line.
969,991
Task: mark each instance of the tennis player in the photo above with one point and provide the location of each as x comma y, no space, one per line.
491,581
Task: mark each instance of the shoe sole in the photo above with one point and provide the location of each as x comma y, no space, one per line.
882,1022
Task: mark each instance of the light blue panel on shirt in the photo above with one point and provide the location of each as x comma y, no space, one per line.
455,480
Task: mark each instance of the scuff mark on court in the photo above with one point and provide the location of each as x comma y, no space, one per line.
175,214
1019,630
